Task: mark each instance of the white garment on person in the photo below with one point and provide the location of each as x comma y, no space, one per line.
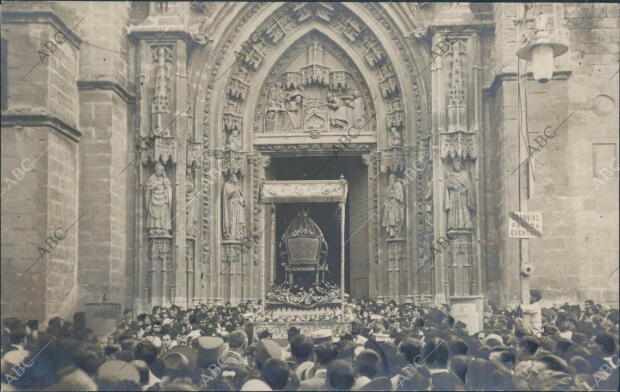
152,380
301,370
360,382
255,385
532,318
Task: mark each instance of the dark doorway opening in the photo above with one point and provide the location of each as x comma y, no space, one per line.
331,167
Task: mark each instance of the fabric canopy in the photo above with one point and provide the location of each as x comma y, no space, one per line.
309,191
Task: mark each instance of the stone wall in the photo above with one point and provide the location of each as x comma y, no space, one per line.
68,108
581,232
40,144
576,257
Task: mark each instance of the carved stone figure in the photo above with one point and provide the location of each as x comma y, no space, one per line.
396,139
159,203
457,98
162,58
394,213
234,210
276,114
460,199
191,202
358,109
338,105
234,141
294,102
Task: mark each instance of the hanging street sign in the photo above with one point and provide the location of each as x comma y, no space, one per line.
525,225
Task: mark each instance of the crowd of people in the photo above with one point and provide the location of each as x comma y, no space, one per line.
390,347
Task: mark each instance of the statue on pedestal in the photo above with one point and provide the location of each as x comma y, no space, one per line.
460,199
358,110
159,203
234,210
190,206
394,213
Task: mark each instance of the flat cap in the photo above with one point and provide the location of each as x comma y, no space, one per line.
209,348
322,335
117,371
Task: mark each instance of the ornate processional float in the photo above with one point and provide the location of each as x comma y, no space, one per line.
305,297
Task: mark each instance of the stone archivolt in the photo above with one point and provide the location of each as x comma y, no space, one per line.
283,105
283,87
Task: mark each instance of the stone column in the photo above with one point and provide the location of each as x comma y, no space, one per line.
180,122
166,136
438,104
106,104
370,160
457,110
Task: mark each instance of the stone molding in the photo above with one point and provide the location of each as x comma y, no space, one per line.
42,17
162,33
41,120
512,77
118,88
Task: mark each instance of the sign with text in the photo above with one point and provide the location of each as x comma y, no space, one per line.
525,225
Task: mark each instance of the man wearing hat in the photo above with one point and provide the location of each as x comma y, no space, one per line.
301,351
209,352
237,343
263,350
210,349
147,352
259,354
367,363
322,335
324,353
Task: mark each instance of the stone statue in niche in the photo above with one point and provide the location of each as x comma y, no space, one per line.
234,141
359,111
394,213
339,104
234,210
395,138
159,203
460,199
294,103
191,201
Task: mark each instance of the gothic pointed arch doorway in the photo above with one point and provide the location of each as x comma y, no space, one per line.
292,82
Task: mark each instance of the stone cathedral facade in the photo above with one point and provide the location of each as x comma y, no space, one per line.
136,138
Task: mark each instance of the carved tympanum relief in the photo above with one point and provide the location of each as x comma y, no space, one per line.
312,88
